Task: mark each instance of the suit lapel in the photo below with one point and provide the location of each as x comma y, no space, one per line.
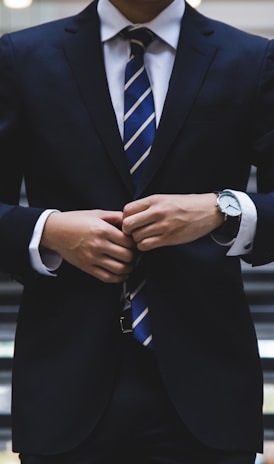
84,53
193,58
83,50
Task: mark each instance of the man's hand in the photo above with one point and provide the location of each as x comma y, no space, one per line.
162,220
92,241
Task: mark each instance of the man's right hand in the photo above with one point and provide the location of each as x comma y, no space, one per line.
92,241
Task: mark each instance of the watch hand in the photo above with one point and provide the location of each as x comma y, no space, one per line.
232,206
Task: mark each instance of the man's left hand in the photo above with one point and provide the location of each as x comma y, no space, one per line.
163,220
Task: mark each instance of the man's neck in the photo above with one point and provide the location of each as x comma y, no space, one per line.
140,11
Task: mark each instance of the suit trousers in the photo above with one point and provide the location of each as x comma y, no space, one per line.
140,424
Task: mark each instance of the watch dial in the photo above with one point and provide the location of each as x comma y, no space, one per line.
229,205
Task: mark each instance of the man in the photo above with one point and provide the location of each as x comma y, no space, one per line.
85,390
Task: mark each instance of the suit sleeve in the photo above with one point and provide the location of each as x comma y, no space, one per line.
16,221
263,151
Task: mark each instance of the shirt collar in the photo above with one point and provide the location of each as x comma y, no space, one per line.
166,25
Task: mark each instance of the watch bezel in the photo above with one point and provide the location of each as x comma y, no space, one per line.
223,209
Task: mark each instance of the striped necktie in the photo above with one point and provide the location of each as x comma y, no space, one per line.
139,132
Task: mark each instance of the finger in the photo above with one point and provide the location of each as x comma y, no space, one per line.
137,221
122,239
125,253
121,254
106,276
136,206
150,243
115,267
148,231
112,217
115,235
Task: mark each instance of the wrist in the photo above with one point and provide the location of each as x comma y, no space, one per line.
218,215
50,226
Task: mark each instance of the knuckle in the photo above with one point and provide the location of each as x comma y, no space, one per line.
142,246
106,278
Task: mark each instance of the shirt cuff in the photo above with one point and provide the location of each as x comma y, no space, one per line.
242,244
43,261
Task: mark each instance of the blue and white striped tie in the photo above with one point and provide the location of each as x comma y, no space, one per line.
139,132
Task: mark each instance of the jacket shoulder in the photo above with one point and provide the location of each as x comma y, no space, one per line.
224,34
51,31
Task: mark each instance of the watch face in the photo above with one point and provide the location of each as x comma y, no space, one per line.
229,204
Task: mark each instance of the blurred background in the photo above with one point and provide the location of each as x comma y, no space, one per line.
255,16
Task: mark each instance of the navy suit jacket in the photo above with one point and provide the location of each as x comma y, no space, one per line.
58,130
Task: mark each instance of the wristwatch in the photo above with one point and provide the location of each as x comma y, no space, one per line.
229,205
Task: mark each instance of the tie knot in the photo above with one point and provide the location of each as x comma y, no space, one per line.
139,39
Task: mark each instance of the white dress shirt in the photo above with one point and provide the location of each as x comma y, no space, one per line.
159,56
